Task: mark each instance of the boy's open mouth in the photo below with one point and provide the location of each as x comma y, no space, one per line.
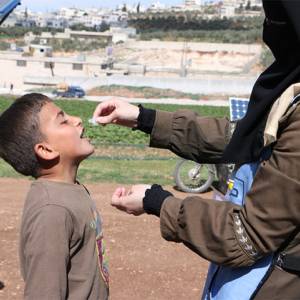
82,134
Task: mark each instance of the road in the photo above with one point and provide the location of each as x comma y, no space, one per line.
19,92
162,101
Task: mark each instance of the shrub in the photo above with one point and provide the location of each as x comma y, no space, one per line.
266,58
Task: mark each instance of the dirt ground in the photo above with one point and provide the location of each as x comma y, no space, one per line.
142,264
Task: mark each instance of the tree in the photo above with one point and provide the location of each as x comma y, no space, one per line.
248,6
266,58
104,26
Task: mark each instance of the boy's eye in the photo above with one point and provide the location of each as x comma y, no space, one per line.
64,122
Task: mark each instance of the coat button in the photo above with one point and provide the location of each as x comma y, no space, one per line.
182,225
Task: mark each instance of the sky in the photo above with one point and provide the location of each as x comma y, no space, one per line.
40,5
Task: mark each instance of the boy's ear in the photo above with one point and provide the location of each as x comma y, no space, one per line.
45,151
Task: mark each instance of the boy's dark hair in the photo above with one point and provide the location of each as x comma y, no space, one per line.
19,133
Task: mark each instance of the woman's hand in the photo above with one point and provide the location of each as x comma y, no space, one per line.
116,111
130,201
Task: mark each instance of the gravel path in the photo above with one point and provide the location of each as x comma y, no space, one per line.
163,101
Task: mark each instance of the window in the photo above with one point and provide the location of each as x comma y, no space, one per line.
77,67
21,63
49,65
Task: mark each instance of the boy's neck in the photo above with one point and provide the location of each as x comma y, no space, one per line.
60,173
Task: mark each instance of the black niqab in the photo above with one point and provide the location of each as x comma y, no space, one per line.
281,33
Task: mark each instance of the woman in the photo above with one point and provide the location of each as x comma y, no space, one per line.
253,239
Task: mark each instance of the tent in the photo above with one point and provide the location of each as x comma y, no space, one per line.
6,7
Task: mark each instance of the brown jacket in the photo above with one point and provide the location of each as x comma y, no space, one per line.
270,216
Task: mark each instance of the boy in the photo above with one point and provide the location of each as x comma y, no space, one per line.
61,251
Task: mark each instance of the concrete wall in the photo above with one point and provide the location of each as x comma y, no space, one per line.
202,47
203,85
11,73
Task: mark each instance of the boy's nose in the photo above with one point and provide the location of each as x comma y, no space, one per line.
77,121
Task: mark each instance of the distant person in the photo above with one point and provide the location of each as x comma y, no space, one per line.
11,87
61,239
253,238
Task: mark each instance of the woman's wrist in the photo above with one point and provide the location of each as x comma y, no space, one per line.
154,199
146,119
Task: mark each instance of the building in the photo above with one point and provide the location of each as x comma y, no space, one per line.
40,50
23,69
45,37
56,23
157,6
11,21
189,3
121,35
228,8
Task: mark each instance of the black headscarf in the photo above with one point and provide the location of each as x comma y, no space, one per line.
281,33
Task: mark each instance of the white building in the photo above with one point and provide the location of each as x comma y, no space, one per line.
120,34
20,69
11,21
157,6
192,5
40,50
40,20
190,2
228,8
56,23
67,12
83,35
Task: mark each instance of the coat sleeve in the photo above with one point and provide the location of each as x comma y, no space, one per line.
46,252
238,236
191,136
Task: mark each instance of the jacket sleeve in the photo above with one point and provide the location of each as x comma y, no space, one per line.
191,136
238,236
46,252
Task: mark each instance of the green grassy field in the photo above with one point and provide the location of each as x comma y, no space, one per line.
143,92
112,134
96,169
113,160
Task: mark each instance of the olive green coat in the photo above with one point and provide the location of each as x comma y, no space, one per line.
270,216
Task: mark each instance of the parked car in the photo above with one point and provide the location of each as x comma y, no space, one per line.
70,92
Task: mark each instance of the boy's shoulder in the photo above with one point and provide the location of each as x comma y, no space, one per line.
73,197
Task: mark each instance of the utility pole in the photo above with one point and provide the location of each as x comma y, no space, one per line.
183,64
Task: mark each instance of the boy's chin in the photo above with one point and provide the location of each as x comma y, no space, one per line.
91,151
87,153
